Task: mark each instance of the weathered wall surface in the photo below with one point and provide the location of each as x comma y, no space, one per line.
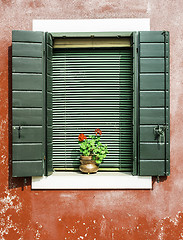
156,214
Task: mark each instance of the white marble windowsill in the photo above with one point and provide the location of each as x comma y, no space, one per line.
100,180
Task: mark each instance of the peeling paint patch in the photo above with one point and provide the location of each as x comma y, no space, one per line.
103,226
9,204
163,229
3,159
8,227
10,201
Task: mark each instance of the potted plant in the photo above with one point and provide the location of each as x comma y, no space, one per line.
92,152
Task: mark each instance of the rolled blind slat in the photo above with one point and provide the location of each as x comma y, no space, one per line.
92,88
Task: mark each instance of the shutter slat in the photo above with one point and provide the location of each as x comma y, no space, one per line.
24,81
27,65
27,151
29,49
92,89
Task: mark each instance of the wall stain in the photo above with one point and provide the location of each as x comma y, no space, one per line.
165,229
36,4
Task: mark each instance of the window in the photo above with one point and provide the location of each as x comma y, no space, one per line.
92,87
33,127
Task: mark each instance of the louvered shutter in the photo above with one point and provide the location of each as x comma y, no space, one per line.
154,137
93,88
28,103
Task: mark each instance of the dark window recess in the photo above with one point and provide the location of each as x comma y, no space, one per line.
93,88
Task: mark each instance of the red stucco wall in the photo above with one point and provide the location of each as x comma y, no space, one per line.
155,214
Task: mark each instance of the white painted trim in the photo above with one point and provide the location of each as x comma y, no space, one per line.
100,180
92,25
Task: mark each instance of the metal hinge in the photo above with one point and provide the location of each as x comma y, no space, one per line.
165,33
137,50
159,133
44,158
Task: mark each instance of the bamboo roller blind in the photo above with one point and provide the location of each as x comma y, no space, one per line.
94,42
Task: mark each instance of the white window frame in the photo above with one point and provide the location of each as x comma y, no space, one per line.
101,180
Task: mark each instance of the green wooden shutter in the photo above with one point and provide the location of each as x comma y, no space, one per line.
154,152
27,102
49,53
93,88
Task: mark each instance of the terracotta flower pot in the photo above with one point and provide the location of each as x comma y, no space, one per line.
88,165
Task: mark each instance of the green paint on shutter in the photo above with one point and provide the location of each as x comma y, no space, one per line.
27,116
152,81
152,99
27,65
24,81
27,36
30,49
27,99
49,49
150,65
154,157
27,168
93,88
29,151
152,116
153,50
27,103
135,103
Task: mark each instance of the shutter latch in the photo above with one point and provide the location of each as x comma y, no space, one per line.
159,133
19,130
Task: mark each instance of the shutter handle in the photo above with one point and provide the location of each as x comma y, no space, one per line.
19,129
159,133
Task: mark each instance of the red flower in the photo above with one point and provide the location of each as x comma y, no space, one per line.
98,131
81,137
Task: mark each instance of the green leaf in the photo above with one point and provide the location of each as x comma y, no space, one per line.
92,142
98,161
